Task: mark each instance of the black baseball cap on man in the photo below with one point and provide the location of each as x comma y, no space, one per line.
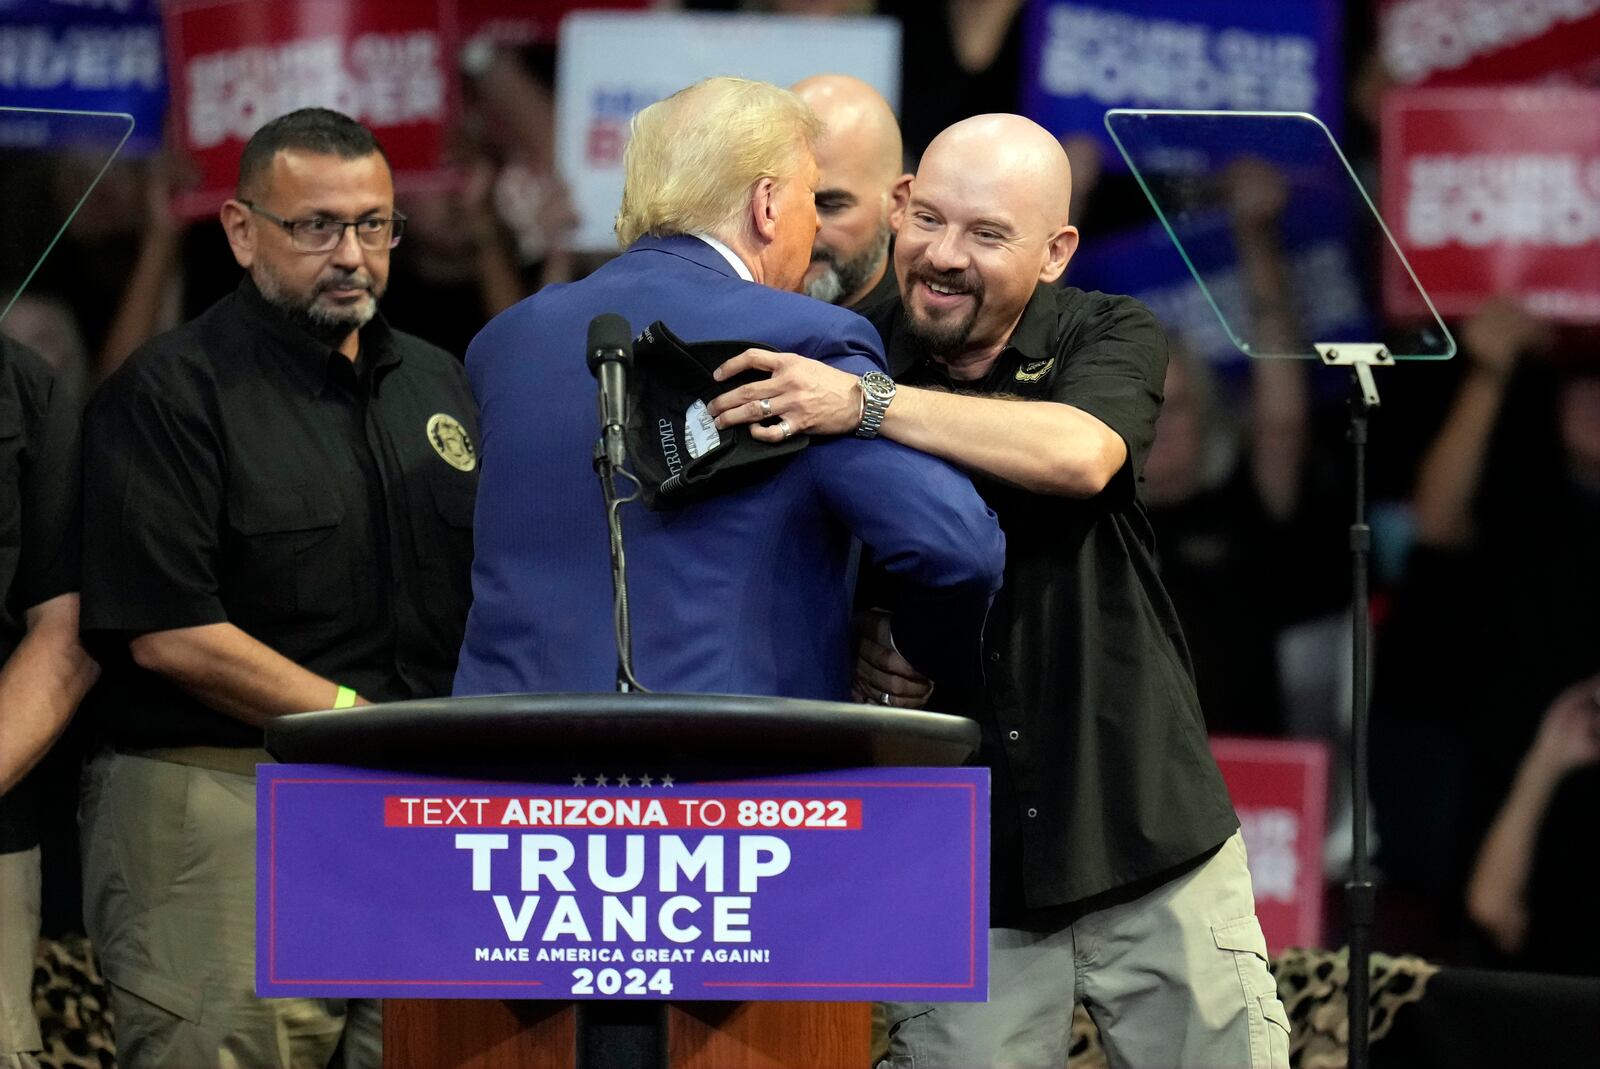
675,449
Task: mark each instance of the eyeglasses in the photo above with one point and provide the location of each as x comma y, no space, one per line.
322,234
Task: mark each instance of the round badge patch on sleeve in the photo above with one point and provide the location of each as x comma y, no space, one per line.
451,441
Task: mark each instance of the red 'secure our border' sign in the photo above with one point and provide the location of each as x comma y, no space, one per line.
235,64
1494,191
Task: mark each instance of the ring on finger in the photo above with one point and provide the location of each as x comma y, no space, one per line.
766,407
885,699
784,428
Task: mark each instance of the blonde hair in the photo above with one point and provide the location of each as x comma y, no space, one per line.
694,157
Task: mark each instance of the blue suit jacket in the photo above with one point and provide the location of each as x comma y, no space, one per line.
745,593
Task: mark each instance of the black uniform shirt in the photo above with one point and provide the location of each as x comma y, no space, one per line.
874,303
238,470
1103,776
38,525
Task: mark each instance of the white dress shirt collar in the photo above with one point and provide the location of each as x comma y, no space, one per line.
728,255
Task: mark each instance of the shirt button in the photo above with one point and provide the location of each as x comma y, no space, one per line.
994,657
1013,735
1033,813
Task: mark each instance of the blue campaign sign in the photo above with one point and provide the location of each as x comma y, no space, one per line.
86,55
851,885
1082,57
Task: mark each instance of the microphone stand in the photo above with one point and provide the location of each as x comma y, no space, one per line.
627,1034
621,621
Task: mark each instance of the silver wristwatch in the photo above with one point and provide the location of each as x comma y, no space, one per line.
877,390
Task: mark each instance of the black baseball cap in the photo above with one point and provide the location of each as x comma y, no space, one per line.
674,449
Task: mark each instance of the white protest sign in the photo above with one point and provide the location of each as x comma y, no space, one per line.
613,64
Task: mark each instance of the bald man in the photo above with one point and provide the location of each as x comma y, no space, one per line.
1118,878
862,194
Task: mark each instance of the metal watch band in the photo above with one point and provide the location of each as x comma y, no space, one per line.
877,390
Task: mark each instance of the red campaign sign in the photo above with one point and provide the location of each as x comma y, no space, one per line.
1478,42
237,63
1280,791
1494,191
527,22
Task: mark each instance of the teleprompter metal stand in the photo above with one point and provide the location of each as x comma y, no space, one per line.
1360,894
1187,164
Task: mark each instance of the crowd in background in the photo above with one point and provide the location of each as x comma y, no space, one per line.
1486,470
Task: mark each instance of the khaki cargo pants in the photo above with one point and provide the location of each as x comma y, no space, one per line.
169,869
1176,979
19,943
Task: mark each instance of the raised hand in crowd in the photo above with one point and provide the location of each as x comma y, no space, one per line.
1279,395
1568,739
1452,469
149,303
517,110
498,278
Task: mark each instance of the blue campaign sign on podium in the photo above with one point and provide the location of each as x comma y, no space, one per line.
847,885
844,885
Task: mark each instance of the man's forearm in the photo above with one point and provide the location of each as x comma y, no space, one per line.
1042,446
1452,468
40,687
1497,888
233,673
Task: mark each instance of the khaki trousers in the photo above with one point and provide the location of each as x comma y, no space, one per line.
169,869
19,945
1175,979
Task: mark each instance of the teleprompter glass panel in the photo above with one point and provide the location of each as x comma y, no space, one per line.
1202,169
49,163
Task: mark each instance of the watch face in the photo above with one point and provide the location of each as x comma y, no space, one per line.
877,385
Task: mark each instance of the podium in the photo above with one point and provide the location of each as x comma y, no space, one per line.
568,740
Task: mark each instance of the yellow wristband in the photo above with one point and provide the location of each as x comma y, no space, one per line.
344,698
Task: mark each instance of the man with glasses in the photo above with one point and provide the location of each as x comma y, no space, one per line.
278,500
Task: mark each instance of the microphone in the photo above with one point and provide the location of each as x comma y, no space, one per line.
610,355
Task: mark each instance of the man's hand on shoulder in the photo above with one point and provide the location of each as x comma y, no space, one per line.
807,395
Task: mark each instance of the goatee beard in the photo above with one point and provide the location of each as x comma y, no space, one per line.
948,338
326,325
841,280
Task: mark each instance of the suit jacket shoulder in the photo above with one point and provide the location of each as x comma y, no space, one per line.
687,285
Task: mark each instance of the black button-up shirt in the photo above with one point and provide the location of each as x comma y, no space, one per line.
1103,776
38,524
238,470
876,301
